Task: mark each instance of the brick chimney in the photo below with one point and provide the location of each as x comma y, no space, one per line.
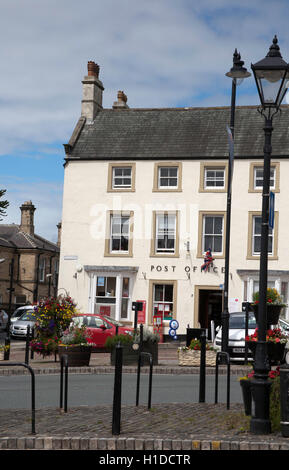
92,92
27,217
121,101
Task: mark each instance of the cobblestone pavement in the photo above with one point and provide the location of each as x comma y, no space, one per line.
164,427
197,426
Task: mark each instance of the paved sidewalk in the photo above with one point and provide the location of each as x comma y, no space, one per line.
172,427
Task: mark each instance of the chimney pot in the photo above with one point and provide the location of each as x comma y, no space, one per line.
92,69
121,101
91,92
59,227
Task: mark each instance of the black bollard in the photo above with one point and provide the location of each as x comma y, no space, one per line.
116,410
27,345
284,399
202,385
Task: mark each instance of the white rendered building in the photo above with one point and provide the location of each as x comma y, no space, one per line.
145,198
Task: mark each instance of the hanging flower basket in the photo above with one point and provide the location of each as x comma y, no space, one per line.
273,313
191,357
276,343
275,351
274,306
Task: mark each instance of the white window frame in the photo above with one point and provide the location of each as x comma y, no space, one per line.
204,235
260,177
120,234
118,293
214,178
254,235
165,233
164,303
122,177
168,177
41,268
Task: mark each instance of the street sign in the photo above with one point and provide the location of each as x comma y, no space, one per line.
174,324
271,209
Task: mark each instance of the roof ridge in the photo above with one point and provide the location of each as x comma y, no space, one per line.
29,238
186,108
45,240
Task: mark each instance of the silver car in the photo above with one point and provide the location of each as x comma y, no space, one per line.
237,333
18,328
19,311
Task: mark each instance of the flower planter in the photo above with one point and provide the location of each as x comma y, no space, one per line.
247,395
273,313
192,357
130,356
77,355
275,351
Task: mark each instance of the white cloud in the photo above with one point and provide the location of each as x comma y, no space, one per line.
162,53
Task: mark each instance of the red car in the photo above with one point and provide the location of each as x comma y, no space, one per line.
100,327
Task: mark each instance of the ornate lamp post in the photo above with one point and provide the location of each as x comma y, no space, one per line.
237,73
272,79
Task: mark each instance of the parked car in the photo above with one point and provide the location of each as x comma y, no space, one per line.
18,329
237,333
100,327
3,319
284,326
19,311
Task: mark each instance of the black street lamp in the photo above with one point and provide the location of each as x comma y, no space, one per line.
272,79
237,73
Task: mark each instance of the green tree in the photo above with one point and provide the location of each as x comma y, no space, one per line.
3,204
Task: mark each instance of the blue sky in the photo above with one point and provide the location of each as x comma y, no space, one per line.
162,53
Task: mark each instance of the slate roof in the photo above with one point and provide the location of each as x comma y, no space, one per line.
176,133
12,237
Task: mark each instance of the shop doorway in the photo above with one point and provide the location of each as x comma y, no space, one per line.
210,309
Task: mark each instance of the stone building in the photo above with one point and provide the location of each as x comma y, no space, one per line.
145,194
28,263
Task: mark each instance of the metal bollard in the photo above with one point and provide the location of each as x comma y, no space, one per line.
27,345
116,410
64,364
284,399
202,385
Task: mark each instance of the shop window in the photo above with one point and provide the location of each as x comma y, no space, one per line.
163,300
125,298
105,298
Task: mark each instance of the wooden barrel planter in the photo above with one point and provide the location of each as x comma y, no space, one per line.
78,356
